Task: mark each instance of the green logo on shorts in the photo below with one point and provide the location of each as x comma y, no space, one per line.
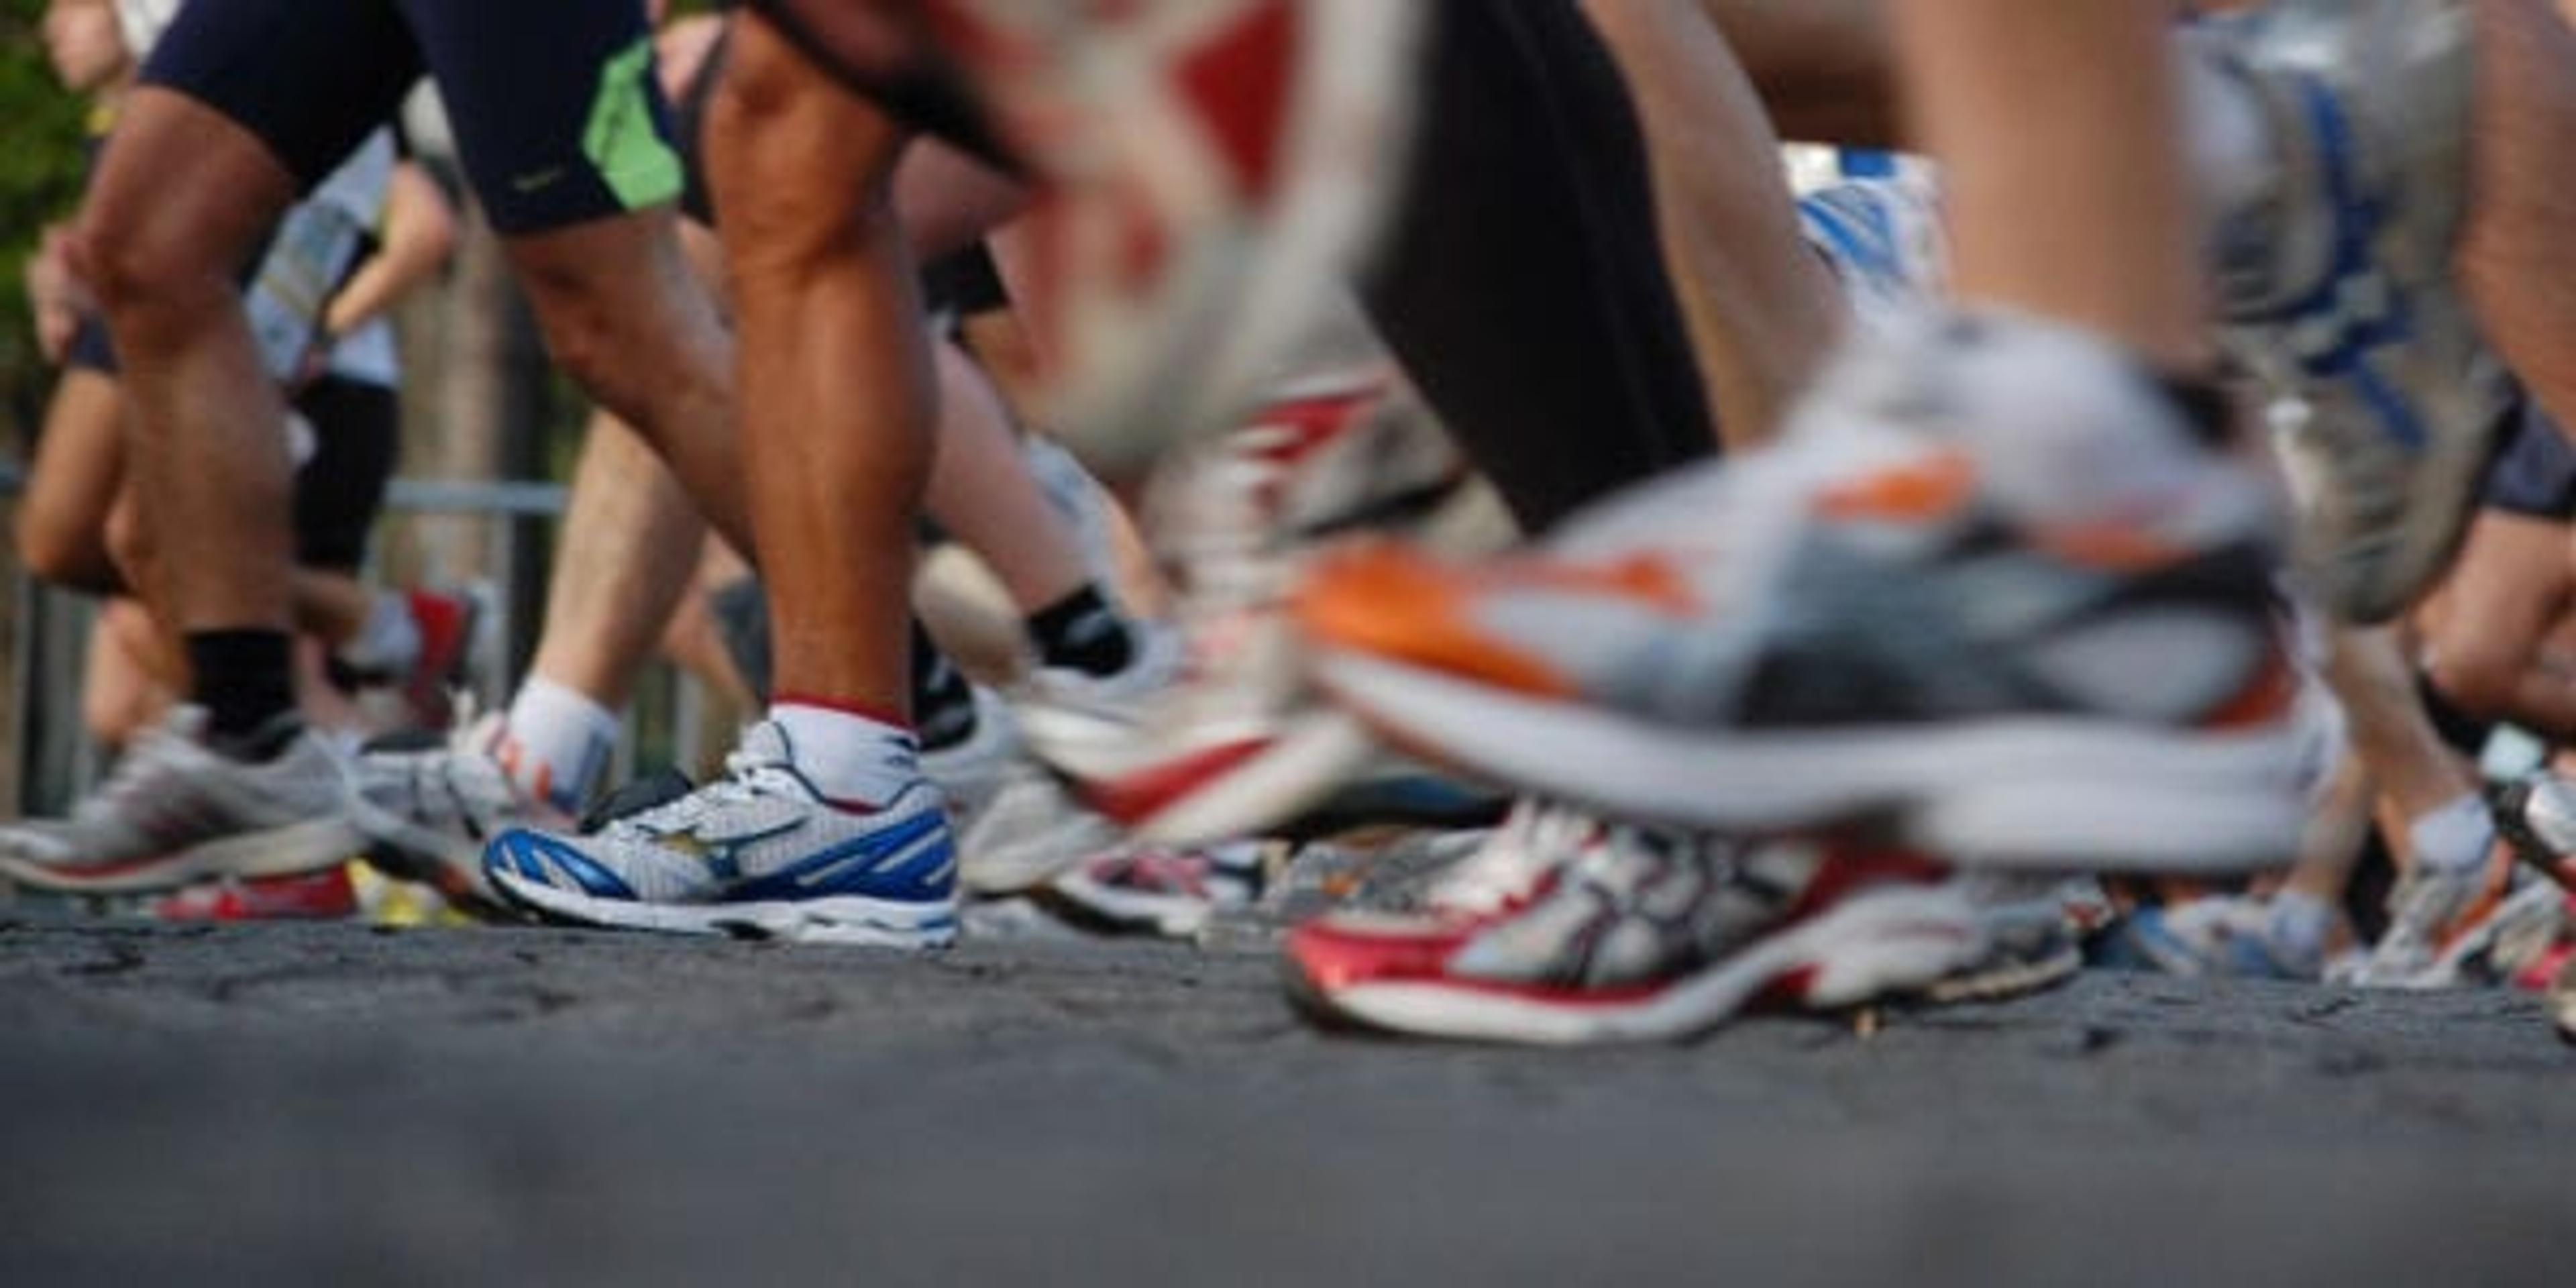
633,158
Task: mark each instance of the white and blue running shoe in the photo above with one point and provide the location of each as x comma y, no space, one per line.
2337,286
758,853
1882,238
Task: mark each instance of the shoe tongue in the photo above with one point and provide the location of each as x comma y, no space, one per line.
766,744
649,792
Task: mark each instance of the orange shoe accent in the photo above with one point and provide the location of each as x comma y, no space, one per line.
2111,547
1921,491
1386,600
2266,699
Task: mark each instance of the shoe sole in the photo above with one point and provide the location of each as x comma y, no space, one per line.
455,861
293,850
842,919
1125,912
1313,756
1872,945
2028,794
2004,979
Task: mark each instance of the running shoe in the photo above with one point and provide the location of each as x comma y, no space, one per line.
757,853
1217,167
1031,830
1649,935
1882,238
2338,289
1989,589
429,806
972,771
2536,816
2220,937
1236,744
2034,938
176,812
2472,929
1158,890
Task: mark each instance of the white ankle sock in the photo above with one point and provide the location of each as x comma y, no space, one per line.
2454,837
2297,927
388,640
853,760
557,744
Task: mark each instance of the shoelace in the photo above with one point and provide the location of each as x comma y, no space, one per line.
747,779
1537,836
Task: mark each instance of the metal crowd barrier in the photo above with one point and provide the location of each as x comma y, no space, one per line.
52,758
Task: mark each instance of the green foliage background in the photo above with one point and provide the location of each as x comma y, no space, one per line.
40,171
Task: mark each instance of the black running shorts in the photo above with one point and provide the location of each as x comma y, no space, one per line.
554,102
340,488
2535,473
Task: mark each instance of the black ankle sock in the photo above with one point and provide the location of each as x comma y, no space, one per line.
943,704
246,682
2203,403
1082,632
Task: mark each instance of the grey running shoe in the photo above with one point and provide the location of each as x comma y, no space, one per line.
2338,284
176,812
429,808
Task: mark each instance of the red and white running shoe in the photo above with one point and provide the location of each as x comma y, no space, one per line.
1216,166
1236,742
1646,935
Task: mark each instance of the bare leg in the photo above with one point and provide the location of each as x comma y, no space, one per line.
627,318
2414,768
2067,193
2520,263
624,556
980,490
1824,67
330,606
182,197
79,466
1762,311
124,685
836,379
2487,647
693,640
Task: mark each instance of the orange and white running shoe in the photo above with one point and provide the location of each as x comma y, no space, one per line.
1989,590
1214,167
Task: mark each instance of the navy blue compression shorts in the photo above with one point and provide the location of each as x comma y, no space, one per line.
554,103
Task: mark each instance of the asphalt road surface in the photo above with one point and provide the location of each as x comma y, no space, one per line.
338,1105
